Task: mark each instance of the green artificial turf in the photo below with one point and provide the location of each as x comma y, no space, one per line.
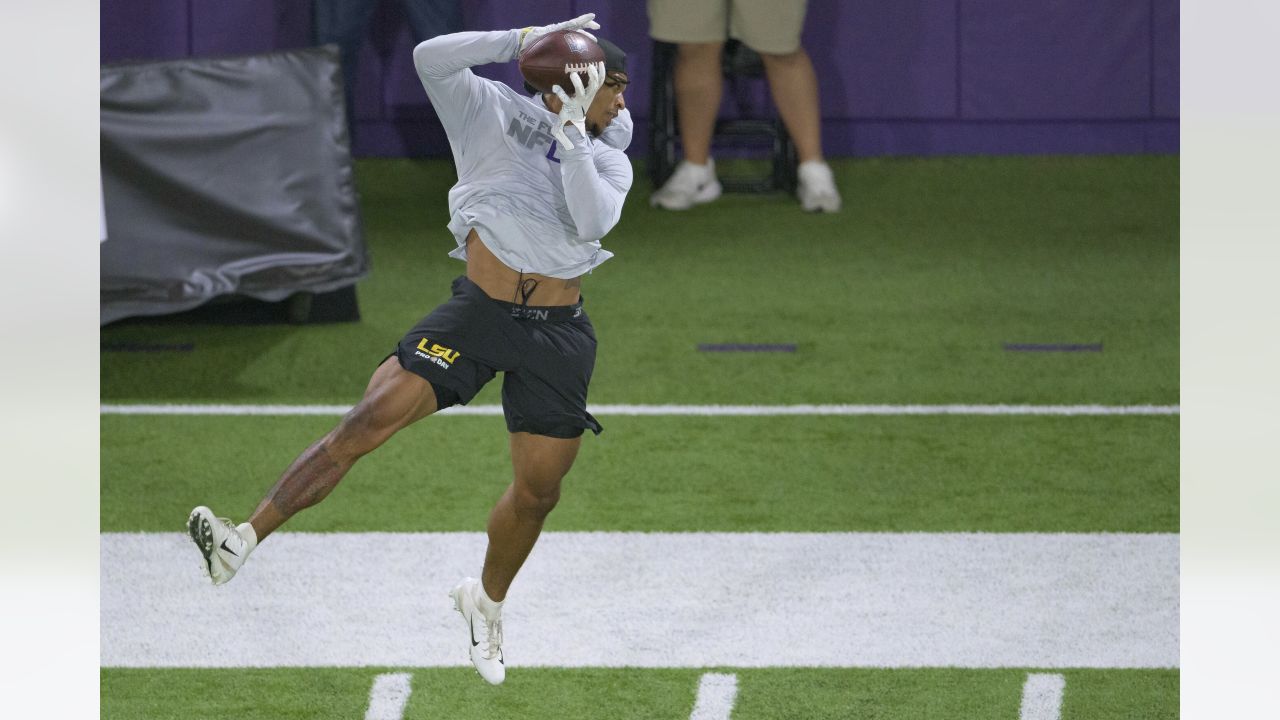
1124,695
907,296
643,694
949,473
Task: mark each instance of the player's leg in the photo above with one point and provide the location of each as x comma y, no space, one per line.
515,523
545,405
540,463
393,399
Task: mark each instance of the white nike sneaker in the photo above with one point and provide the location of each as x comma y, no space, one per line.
486,633
689,185
817,187
224,546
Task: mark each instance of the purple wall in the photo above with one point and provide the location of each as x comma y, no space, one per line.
908,77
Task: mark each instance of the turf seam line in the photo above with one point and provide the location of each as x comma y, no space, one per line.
668,410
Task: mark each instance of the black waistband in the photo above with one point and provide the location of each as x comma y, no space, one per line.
542,313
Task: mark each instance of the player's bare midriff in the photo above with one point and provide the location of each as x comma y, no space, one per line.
502,283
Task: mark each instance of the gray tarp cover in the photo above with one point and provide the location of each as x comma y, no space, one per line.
222,176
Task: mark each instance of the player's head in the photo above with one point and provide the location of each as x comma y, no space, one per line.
608,101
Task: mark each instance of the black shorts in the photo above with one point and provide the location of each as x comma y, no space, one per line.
546,353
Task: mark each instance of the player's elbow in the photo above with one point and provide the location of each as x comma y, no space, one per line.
595,225
426,55
422,55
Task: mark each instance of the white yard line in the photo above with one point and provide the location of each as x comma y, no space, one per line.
705,410
609,599
716,695
1042,697
388,696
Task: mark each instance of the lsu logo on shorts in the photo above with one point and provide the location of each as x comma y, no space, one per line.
438,354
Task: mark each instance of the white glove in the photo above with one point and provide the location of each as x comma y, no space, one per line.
529,34
573,110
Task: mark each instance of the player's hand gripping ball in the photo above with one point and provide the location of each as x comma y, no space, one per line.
550,59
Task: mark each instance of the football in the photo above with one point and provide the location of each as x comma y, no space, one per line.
549,59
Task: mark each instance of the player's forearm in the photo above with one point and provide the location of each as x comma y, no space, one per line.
445,55
594,200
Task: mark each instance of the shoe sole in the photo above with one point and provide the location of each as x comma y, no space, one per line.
201,533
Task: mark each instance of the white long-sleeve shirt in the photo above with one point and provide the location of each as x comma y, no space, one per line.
537,206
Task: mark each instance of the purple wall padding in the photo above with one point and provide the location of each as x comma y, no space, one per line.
1164,59
877,59
402,94
908,77
144,30
244,27
1002,138
1055,59
376,54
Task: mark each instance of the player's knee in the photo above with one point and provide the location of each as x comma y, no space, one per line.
536,503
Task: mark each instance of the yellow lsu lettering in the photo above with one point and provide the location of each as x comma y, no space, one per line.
439,351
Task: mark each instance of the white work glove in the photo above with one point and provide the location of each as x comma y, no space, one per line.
529,34
573,110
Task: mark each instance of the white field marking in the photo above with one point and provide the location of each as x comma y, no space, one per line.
1042,697
718,410
388,696
692,600
716,694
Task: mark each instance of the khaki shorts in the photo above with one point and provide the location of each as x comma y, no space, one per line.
766,26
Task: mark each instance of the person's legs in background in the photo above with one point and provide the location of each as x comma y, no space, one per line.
344,23
795,91
773,29
699,85
699,31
